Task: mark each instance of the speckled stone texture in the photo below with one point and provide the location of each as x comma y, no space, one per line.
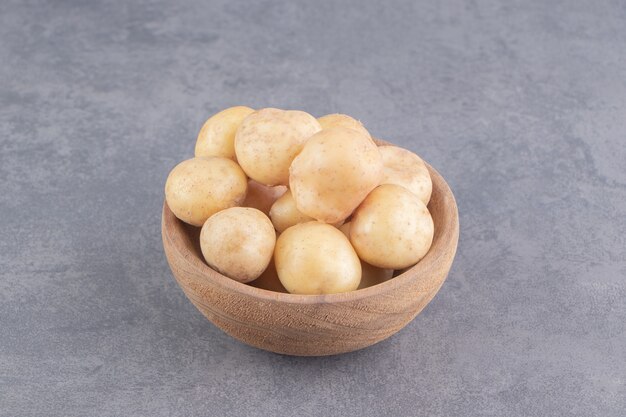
521,105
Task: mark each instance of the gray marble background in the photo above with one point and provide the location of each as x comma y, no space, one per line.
521,105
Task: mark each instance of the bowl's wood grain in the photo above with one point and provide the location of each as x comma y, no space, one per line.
313,325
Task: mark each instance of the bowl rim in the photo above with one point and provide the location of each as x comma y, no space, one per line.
172,229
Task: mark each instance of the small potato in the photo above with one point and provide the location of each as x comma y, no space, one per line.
217,136
316,258
261,197
392,228
269,139
269,280
238,242
335,171
200,187
285,214
342,120
370,275
403,167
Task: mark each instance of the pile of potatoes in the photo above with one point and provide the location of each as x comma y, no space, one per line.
311,206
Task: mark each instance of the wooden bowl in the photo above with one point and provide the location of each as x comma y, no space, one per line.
314,325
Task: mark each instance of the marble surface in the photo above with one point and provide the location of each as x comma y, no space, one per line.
521,105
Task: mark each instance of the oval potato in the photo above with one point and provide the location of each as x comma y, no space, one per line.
392,228
217,135
238,242
370,275
335,171
403,167
269,139
342,120
200,187
316,258
285,214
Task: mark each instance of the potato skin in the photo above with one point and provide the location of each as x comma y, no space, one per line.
403,167
342,120
269,139
370,275
217,135
262,197
200,187
238,242
285,214
316,258
335,171
392,228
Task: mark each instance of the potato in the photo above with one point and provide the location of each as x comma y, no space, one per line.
200,187
403,167
370,275
217,136
269,280
316,258
392,228
261,197
285,214
269,139
238,242
336,169
342,120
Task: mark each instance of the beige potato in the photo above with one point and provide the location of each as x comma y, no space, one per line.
370,275
316,258
285,214
335,171
269,280
217,136
392,228
342,120
269,139
238,242
261,197
403,167
200,187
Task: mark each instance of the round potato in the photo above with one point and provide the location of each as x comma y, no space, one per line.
269,139
392,228
238,242
316,258
261,197
285,214
335,171
370,275
217,136
403,167
269,280
342,120
200,187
